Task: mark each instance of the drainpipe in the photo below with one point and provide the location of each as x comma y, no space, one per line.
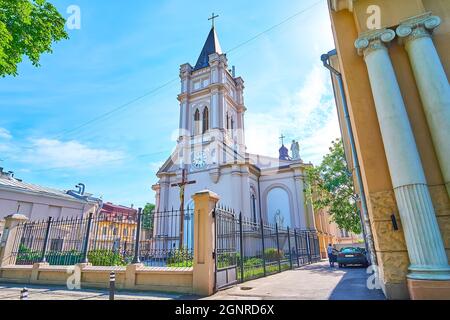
367,232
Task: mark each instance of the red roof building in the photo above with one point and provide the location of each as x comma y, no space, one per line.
114,211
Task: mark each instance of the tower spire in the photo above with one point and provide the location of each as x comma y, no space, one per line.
211,46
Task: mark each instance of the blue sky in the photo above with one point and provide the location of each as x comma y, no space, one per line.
125,50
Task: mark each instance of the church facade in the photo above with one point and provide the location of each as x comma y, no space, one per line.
211,151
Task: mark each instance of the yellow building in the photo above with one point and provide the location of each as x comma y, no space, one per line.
392,64
328,232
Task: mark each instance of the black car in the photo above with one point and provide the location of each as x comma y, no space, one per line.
352,256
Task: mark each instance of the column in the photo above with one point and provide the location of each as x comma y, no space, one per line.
204,240
432,83
215,108
423,239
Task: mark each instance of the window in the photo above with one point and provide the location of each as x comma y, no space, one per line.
125,232
253,198
105,231
197,122
205,120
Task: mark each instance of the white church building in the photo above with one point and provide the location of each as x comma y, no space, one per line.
211,151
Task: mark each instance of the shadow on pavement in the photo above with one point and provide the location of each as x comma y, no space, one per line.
353,286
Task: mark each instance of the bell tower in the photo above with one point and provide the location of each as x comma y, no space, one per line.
211,101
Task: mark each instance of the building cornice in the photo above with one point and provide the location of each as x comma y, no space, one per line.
338,5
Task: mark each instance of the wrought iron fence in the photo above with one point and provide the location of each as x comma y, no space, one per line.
106,240
248,249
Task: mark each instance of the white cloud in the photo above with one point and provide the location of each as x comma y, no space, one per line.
48,153
309,117
5,134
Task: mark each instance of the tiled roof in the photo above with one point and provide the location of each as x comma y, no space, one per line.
17,185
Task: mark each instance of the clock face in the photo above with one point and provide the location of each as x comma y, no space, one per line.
198,160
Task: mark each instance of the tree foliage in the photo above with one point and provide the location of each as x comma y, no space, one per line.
147,216
330,187
27,27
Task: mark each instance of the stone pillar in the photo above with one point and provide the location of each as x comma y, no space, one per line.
236,178
204,242
130,275
10,233
423,239
432,83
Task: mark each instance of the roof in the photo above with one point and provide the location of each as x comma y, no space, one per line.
211,46
111,208
13,184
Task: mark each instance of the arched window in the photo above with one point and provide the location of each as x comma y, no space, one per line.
253,204
197,122
205,120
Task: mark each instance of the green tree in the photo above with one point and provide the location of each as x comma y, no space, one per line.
27,27
330,187
147,216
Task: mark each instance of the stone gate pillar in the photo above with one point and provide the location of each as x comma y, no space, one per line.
204,242
10,233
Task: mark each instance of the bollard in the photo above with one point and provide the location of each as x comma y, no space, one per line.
24,294
112,285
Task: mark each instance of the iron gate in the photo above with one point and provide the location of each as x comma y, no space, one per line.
226,252
246,249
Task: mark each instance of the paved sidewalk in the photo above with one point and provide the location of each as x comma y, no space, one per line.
313,282
12,292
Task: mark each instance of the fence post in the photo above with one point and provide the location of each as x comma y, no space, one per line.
86,239
278,247
10,241
112,285
24,294
137,242
263,247
241,245
289,244
204,266
47,234
308,246
296,248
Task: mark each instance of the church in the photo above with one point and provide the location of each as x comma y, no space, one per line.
211,152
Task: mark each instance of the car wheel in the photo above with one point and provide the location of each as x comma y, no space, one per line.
340,265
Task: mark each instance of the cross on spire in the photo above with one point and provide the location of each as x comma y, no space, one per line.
213,17
282,139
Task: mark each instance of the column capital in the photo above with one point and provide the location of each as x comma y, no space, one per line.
373,40
417,27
